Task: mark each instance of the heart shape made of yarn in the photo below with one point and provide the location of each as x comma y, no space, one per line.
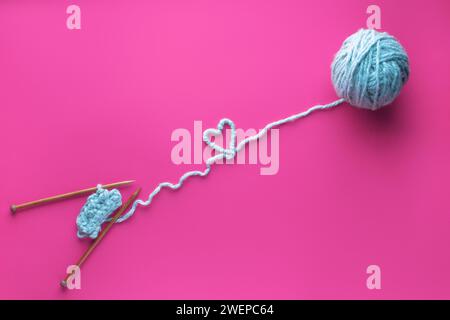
208,133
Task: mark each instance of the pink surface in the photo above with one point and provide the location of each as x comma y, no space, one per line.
354,188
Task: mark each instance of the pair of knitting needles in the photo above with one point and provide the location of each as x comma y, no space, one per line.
117,214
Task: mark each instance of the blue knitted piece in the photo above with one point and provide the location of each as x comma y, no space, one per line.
370,69
369,72
96,211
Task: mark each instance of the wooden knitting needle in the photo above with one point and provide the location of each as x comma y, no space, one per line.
94,244
15,208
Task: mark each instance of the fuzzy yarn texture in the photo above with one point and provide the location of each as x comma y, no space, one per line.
97,209
370,69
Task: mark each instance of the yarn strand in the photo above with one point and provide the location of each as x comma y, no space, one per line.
225,153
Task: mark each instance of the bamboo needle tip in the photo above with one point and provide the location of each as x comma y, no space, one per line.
13,209
128,182
63,283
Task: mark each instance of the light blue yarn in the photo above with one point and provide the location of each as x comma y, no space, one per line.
96,211
370,69
223,153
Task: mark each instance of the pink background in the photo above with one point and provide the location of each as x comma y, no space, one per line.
354,187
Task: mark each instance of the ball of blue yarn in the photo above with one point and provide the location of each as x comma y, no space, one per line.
370,69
